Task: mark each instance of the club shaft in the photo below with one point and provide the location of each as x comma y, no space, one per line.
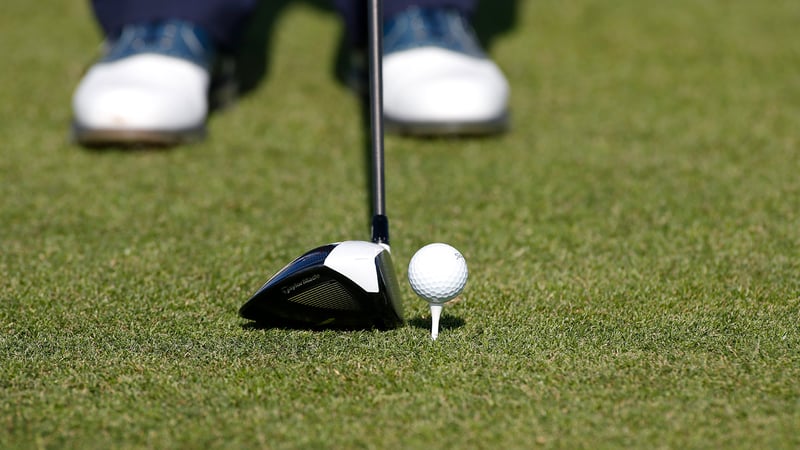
376,105
380,232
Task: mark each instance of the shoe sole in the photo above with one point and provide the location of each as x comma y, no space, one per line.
433,129
97,138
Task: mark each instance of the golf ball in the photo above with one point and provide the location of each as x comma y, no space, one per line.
437,273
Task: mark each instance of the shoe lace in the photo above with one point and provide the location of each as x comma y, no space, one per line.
167,37
146,36
443,27
430,23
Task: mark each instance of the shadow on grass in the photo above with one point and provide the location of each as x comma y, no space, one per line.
494,18
447,322
253,57
254,54
281,325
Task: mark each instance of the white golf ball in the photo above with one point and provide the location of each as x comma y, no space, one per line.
437,273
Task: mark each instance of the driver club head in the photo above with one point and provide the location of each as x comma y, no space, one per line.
346,285
349,284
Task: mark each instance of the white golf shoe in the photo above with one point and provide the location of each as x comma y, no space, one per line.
436,78
151,88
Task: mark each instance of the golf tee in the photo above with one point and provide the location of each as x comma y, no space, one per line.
436,313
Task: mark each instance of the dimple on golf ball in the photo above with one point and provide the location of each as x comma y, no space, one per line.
437,273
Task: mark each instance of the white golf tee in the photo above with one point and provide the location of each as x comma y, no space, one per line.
436,313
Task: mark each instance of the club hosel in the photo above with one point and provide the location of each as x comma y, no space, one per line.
380,229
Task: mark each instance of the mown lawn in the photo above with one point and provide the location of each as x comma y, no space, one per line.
633,245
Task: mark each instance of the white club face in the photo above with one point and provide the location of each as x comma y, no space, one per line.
356,261
437,273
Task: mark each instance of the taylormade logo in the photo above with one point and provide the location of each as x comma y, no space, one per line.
293,287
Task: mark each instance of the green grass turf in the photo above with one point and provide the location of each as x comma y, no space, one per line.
633,246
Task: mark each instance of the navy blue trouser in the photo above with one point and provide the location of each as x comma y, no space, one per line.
224,19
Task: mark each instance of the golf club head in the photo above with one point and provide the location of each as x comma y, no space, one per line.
346,285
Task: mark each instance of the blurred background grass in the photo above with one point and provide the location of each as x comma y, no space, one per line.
632,245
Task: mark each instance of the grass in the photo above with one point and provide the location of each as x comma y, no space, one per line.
633,246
